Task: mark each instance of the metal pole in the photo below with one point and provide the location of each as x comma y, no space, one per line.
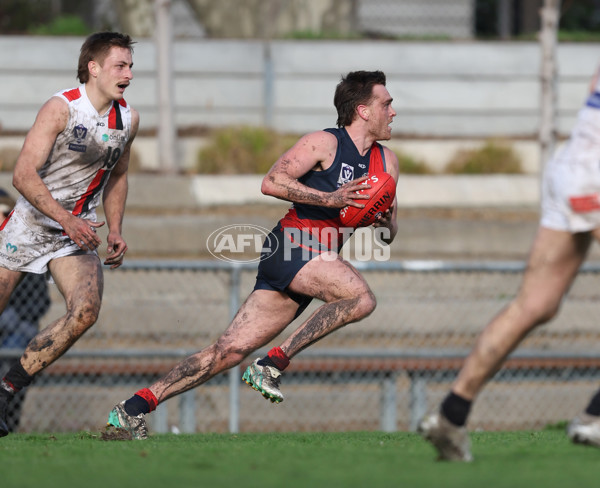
389,404
269,84
418,400
504,19
549,15
166,120
234,373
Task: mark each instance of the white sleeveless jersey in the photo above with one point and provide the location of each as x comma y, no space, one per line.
75,173
83,155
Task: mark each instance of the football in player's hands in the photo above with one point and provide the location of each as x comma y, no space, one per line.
381,196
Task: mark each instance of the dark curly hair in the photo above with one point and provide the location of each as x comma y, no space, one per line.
356,88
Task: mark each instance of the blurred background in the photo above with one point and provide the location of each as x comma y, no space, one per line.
485,90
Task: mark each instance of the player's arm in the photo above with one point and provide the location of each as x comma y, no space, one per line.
51,120
114,198
313,151
390,217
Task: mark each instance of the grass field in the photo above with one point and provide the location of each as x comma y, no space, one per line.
351,459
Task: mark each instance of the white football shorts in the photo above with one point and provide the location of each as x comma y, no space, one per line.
571,189
30,247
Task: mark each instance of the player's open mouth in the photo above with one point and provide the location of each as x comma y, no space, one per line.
122,86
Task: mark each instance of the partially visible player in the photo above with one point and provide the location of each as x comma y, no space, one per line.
76,153
570,221
320,175
19,322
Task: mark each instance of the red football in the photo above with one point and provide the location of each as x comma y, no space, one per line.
381,196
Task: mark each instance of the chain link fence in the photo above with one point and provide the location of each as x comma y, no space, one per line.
381,373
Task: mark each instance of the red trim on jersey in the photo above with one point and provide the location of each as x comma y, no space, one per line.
112,118
6,220
89,192
73,94
376,162
315,227
122,102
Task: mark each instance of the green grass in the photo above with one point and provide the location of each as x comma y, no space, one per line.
350,459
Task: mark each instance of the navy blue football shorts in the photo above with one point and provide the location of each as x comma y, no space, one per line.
284,254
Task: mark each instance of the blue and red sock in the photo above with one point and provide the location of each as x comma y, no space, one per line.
144,401
277,358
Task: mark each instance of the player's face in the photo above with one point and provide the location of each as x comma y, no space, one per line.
381,113
115,73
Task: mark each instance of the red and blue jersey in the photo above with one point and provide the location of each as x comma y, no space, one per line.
348,164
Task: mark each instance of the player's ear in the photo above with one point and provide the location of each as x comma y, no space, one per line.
93,68
363,112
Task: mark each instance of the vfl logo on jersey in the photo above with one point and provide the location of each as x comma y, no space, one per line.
80,132
346,174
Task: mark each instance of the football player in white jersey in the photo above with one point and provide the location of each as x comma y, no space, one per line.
570,221
75,155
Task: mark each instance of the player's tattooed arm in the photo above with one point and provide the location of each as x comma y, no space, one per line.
313,152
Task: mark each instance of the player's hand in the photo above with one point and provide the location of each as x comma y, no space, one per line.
117,247
384,220
83,232
346,194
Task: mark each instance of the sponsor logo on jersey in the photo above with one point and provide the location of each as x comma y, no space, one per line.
79,131
77,147
117,138
346,174
12,259
114,137
11,248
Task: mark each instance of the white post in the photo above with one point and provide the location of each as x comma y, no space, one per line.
549,15
167,132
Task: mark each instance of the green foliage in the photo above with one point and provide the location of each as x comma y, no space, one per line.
411,166
45,17
321,35
242,150
493,157
16,16
253,150
64,25
578,36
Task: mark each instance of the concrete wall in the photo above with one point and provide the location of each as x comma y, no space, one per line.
447,95
470,89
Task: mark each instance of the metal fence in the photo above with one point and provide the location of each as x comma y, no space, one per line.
381,373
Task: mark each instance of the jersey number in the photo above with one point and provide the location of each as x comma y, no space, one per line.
112,156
